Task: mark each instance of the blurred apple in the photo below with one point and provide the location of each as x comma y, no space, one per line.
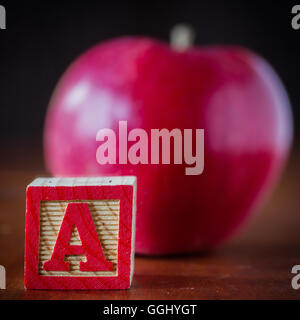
230,92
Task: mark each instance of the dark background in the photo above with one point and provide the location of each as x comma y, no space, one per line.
42,38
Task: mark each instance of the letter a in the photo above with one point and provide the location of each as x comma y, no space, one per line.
78,215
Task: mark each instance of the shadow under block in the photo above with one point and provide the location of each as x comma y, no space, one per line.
80,233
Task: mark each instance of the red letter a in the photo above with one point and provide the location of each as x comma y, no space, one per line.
78,214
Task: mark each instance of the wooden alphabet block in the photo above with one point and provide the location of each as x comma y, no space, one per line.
80,233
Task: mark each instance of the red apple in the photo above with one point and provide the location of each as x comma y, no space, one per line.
230,92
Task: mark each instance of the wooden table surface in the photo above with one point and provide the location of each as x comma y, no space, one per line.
256,264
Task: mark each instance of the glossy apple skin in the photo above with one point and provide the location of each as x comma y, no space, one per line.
231,93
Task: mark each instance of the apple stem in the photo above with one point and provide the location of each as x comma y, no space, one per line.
182,37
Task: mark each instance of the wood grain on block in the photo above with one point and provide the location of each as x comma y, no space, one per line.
80,233
105,214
